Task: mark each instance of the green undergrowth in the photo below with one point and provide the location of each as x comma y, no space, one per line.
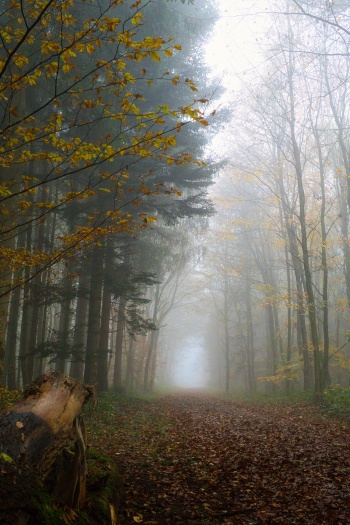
336,401
125,414
278,398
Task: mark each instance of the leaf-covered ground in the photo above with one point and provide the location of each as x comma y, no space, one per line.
195,459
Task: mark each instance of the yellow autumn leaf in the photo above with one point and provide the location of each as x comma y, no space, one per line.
21,61
137,19
6,457
155,56
31,80
67,67
138,518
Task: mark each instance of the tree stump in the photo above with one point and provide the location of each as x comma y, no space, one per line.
43,450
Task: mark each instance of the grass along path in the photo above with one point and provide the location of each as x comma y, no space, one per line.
195,459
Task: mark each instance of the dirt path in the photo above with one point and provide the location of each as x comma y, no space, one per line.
192,459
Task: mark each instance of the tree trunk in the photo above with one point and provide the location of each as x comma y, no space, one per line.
102,369
299,282
10,364
117,380
325,377
311,305
36,433
65,317
152,341
78,355
26,314
227,337
94,317
152,376
250,340
129,375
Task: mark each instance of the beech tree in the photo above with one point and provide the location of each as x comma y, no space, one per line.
291,154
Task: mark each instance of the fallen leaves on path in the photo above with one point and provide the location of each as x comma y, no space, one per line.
191,459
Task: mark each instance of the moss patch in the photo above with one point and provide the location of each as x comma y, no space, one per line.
24,497
104,489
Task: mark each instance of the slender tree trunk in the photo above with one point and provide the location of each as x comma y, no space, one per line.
311,306
10,364
325,320
289,315
26,312
129,375
117,379
35,297
102,372
262,259
227,337
152,341
5,284
34,320
79,336
154,363
11,341
148,361
299,282
250,340
42,333
272,339
94,316
65,317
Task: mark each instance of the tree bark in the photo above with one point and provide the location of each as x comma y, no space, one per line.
65,317
311,306
250,339
36,433
94,316
117,377
102,365
78,357
152,341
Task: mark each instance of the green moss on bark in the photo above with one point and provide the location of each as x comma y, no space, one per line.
24,498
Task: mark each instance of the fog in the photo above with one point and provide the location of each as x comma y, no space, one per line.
175,195
191,367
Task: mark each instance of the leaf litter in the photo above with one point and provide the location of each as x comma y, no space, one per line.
196,459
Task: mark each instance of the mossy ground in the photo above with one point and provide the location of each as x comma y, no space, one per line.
103,495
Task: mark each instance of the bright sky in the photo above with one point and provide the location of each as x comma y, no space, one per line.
237,43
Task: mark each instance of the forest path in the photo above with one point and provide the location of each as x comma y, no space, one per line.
196,459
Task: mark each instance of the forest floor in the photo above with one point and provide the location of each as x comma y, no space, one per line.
195,459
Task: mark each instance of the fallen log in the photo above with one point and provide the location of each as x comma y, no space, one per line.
43,450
